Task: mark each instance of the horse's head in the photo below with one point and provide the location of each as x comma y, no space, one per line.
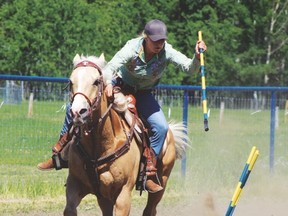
86,83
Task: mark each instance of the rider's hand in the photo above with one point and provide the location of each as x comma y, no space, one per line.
200,45
109,90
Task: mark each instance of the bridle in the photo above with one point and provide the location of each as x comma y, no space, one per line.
94,104
96,101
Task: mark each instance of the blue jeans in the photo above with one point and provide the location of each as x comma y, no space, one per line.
150,110
67,121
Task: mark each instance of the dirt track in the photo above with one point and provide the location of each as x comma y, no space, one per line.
199,205
207,205
266,196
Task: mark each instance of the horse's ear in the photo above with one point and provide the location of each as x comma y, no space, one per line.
76,58
102,57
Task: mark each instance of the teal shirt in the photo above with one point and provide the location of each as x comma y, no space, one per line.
129,63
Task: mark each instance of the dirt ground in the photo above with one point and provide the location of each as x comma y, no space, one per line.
266,197
207,205
200,205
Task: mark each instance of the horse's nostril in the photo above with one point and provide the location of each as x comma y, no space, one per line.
82,111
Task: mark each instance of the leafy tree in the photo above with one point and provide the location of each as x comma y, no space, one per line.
247,40
41,36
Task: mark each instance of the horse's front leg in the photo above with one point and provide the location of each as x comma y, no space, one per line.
123,201
74,195
121,206
106,206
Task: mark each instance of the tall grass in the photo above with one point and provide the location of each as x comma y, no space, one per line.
213,163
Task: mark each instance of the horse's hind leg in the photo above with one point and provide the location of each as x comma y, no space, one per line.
153,200
74,195
164,170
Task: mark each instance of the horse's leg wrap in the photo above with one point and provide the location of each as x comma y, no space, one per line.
152,183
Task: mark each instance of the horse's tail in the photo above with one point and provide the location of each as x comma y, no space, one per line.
179,131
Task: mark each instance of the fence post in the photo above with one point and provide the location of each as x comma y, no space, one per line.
221,117
272,129
185,120
286,111
277,117
30,106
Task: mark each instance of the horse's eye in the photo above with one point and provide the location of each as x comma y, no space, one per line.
96,82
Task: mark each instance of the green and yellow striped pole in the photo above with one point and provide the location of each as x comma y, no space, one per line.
243,179
203,84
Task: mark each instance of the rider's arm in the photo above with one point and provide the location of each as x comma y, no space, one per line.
181,60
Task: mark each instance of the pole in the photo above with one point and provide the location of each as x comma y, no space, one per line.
203,84
243,179
272,130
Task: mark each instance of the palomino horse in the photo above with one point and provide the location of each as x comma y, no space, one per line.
104,158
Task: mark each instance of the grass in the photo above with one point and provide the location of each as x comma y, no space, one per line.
213,163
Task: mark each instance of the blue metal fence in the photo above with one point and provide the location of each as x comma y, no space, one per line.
186,91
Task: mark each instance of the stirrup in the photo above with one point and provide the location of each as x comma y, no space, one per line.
157,183
58,162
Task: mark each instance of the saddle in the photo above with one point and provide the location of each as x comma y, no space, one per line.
125,105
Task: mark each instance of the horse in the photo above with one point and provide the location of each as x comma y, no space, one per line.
105,156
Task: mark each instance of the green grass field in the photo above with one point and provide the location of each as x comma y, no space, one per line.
214,161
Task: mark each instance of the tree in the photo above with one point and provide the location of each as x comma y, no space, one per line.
276,41
247,40
39,37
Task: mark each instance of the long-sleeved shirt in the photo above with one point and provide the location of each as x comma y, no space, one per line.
129,63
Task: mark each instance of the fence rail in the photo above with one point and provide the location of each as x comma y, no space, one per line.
252,98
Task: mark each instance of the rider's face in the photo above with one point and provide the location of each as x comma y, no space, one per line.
154,46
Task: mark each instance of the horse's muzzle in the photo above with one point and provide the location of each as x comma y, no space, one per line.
81,117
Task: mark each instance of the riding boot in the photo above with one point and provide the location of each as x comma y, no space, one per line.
152,183
55,161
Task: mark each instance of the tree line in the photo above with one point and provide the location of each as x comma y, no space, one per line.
247,39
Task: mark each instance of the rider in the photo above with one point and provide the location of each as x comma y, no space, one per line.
138,66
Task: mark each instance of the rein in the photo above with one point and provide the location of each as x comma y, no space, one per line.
107,158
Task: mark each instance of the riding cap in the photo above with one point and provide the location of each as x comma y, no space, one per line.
156,30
